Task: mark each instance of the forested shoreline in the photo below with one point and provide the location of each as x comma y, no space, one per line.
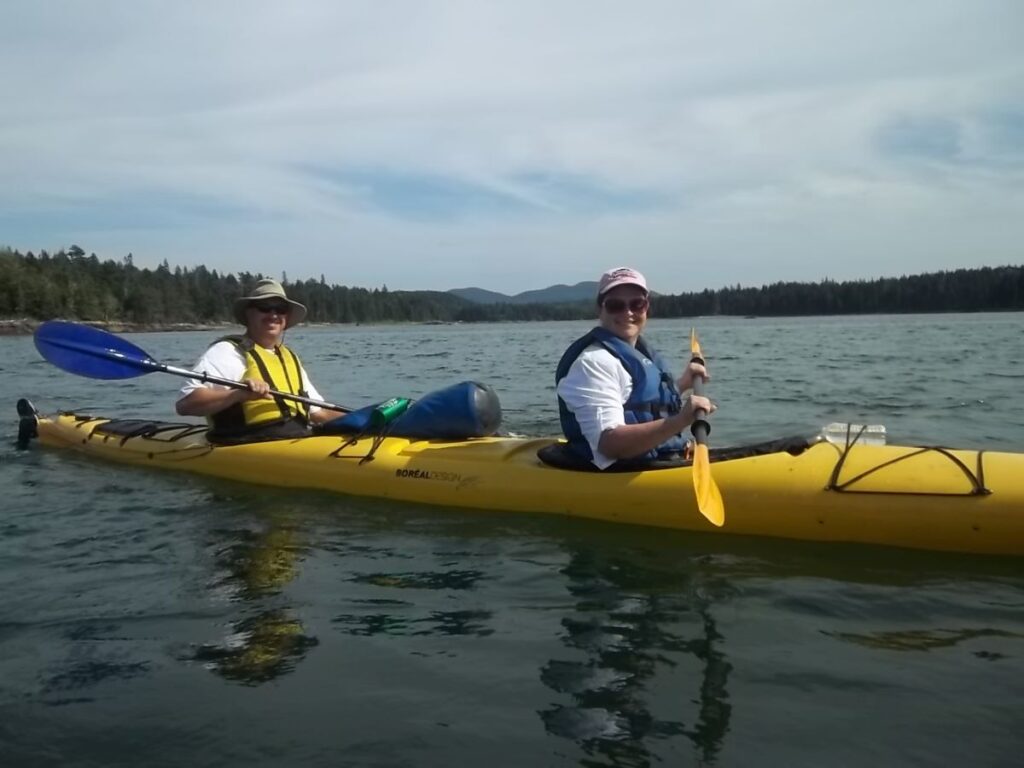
75,286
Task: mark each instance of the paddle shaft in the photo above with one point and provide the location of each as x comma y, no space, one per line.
700,428
206,378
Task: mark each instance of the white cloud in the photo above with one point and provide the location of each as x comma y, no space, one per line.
707,143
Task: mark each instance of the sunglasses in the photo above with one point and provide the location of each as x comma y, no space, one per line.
615,306
281,309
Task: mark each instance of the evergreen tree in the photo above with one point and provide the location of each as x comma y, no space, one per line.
71,285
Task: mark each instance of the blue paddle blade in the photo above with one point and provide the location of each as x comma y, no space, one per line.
91,352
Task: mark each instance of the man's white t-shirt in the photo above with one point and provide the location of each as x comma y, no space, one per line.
224,360
595,389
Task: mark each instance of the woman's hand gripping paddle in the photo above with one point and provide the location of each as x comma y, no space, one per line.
709,498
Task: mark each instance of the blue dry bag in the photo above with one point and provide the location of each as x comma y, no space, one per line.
466,409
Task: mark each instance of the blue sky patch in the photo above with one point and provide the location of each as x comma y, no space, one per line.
426,196
926,138
150,210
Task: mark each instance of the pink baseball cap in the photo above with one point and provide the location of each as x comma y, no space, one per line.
620,276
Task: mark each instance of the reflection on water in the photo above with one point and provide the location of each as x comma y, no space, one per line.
400,617
97,654
256,565
631,632
259,648
454,579
923,639
450,623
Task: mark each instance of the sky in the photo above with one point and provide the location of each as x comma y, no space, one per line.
513,146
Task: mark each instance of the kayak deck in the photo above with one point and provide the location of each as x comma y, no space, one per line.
908,496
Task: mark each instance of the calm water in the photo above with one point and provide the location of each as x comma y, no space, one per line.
150,618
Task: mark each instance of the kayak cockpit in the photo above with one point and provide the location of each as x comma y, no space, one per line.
559,455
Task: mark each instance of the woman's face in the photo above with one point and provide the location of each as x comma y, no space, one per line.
623,311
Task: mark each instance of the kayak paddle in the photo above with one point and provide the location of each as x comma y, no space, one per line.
88,351
709,498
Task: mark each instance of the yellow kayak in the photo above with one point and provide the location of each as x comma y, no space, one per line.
924,498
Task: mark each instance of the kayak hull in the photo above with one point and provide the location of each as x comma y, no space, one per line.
905,496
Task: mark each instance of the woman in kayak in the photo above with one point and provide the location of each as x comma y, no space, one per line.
261,360
617,400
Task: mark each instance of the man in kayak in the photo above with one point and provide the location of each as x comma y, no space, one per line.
616,399
261,360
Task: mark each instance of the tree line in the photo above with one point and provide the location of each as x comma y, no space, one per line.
72,285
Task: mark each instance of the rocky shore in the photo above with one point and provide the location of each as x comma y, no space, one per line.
24,326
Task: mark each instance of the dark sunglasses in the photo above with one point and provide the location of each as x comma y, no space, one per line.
281,309
636,306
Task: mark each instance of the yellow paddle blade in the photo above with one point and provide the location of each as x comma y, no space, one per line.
709,498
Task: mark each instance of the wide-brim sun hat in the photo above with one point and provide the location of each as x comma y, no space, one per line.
613,278
269,289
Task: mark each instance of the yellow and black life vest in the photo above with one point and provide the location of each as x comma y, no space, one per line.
281,369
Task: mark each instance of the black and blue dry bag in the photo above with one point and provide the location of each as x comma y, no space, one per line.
466,409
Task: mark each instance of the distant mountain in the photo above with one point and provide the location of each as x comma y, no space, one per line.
585,291
480,296
554,294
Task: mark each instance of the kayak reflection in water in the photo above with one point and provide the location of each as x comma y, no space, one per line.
268,643
617,400
260,359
